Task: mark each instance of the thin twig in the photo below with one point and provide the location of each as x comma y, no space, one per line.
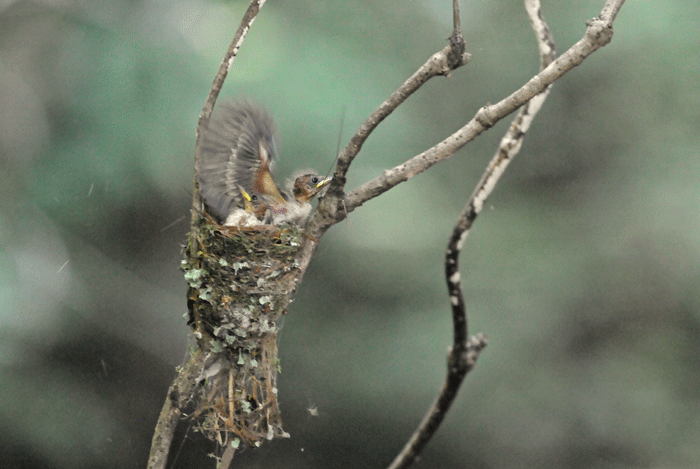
438,410
598,34
457,28
464,351
331,209
184,384
440,63
457,45
610,10
179,394
247,21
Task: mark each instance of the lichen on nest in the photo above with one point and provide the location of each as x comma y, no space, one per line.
240,281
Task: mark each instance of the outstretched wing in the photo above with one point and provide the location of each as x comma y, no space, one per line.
238,149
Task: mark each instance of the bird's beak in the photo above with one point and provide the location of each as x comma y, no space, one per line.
246,196
323,182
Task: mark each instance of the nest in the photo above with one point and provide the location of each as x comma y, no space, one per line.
240,281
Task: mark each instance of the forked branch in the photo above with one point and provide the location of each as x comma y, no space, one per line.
441,63
183,387
464,350
335,207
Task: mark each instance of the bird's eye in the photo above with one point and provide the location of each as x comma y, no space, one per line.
314,179
254,198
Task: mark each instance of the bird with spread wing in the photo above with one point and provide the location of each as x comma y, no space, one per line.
235,168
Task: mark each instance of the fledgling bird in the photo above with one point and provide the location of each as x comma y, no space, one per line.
248,216
235,165
297,206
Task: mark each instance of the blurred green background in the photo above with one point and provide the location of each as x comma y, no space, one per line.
584,271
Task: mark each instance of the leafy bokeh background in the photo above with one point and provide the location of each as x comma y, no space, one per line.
584,271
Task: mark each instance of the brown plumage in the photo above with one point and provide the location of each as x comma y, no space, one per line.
235,166
238,149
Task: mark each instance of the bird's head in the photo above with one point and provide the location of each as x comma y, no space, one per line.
307,186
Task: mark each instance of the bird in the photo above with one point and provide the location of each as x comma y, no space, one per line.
235,166
247,216
296,207
264,209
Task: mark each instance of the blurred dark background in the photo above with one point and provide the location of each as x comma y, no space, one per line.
583,270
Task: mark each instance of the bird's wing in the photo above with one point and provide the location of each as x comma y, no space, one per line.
238,149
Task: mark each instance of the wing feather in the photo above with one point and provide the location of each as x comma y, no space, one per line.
238,149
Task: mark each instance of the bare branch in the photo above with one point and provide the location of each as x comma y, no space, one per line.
464,352
598,34
610,10
438,410
332,208
440,63
455,17
545,40
509,147
178,394
247,21
184,384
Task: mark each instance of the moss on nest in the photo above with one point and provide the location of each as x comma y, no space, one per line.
240,281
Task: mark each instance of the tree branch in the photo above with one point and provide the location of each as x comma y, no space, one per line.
464,352
440,63
246,23
179,394
184,385
610,10
335,206
332,209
